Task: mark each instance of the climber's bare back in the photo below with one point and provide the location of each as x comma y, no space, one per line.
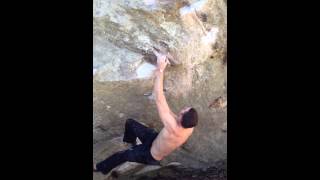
167,142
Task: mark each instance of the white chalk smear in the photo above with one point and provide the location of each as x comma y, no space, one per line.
199,4
149,2
145,70
211,36
185,10
195,6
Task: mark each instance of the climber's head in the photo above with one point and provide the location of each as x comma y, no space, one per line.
188,117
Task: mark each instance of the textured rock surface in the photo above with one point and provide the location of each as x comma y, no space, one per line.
171,171
195,33
178,172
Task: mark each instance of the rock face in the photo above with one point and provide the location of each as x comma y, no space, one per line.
194,32
177,172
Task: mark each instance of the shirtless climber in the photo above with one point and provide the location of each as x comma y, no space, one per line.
155,146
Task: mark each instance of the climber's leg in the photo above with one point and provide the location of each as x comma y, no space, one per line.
134,129
111,162
142,154
139,154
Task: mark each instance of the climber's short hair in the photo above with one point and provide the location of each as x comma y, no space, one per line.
190,118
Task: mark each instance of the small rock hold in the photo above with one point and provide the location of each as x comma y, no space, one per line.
174,164
121,115
100,127
215,46
203,17
151,97
147,94
185,3
217,103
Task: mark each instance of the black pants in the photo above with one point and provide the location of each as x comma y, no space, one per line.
138,153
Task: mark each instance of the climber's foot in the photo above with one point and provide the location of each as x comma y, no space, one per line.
95,168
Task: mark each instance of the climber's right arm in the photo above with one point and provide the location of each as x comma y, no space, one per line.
163,108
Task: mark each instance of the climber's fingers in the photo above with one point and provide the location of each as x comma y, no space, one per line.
167,61
159,55
155,52
159,51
